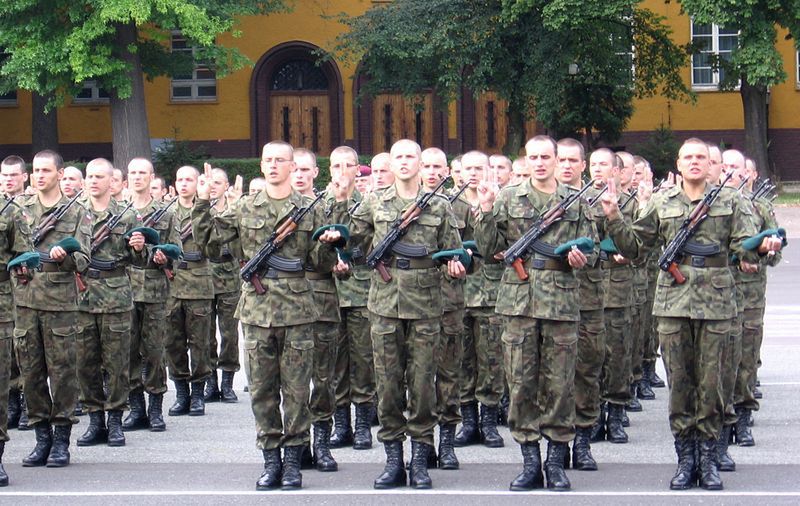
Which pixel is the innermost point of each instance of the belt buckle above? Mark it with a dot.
(403, 263)
(183, 265)
(93, 273)
(698, 261)
(537, 263)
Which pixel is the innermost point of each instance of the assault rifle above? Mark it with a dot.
(679, 245)
(49, 222)
(156, 215)
(378, 255)
(457, 194)
(763, 188)
(9, 201)
(518, 252)
(632, 196)
(266, 256)
(592, 201)
(105, 231)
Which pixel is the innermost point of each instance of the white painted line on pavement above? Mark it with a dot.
(400, 491)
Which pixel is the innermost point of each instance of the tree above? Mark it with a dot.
(53, 46)
(522, 50)
(755, 64)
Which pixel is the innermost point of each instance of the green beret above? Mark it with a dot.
(29, 259)
(608, 245)
(755, 241)
(150, 235)
(342, 229)
(473, 247)
(170, 250)
(69, 244)
(584, 244)
(444, 256)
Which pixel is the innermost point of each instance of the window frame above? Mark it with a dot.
(194, 84)
(715, 51)
(95, 91)
(10, 102)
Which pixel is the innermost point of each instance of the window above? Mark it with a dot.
(91, 94)
(201, 83)
(8, 99)
(298, 75)
(716, 43)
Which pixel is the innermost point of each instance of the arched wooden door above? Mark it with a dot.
(489, 115)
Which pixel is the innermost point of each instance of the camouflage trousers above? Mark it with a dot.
(448, 369)
(222, 309)
(104, 344)
(752, 333)
(405, 352)
(354, 380)
(692, 351)
(280, 361)
(589, 367)
(729, 366)
(637, 341)
(6, 335)
(189, 326)
(46, 344)
(650, 325)
(540, 358)
(14, 378)
(323, 398)
(482, 364)
(616, 387)
(148, 370)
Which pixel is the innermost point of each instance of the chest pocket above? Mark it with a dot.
(520, 218)
(66, 226)
(252, 233)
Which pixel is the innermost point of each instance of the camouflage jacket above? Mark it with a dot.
(752, 287)
(453, 288)
(150, 284)
(113, 294)
(196, 282)
(225, 269)
(546, 294)
(480, 288)
(56, 291)
(352, 290)
(244, 228)
(708, 293)
(411, 293)
(591, 278)
(14, 239)
(618, 279)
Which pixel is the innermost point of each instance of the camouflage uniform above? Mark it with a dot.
(650, 341)
(227, 284)
(105, 310)
(638, 320)
(278, 325)
(47, 314)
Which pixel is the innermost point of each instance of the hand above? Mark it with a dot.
(670, 181)
(620, 259)
(30, 190)
(576, 258)
(58, 254)
(234, 193)
(21, 271)
(487, 193)
(645, 192)
(171, 193)
(160, 258)
(204, 182)
(609, 201)
(341, 268)
(770, 244)
(456, 269)
(330, 236)
(136, 241)
(748, 267)
(338, 187)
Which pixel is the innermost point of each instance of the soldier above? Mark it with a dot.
(364, 179)
(189, 307)
(354, 380)
(278, 323)
(406, 311)
(521, 171)
(694, 316)
(71, 182)
(382, 177)
(591, 329)
(225, 271)
(455, 172)
(118, 185)
(542, 313)
(105, 309)
(47, 312)
(158, 189)
(150, 287)
(502, 169)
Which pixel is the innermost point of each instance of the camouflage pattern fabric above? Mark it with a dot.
(482, 364)
(6, 335)
(448, 372)
(104, 344)
(354, 376)
(326, 332)
(189, 324)
(589, 366)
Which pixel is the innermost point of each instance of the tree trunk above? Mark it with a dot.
(131, 134)
(44, 125)
(515, 131)
(754, 102)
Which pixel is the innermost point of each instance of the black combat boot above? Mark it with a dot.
(373, 418)
(686, 474)
(44, 441)
(59, 452)
(14, 409)
(598, 432)
(614, 430)
(115, 435)
(342, 430)
(23, 414)
(502, 415)
(744, 437)
(652, 377)
(419, 477)
(96, 433)
(211, 392)
(491, 438)
(643, 390)
(468, 434)
(323, 460)
(291, 478)
(154, 413)
(271, 477)
(447, 453)
(137, 418)
(726, 463)
(633, 405)
(181, 405)
(582, 459)
(709, 467)
(362, 437)
(394, 473)
(3, 474)
(306, 457)
(531, 476)
(554, 467)
(197, 407)
(227, 394)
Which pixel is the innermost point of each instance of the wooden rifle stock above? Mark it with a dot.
(676, 273)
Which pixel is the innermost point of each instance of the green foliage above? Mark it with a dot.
(175, 153)
(661, 150)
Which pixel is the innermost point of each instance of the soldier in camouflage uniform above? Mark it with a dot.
(591, 329)
(278, 324)
(47, 312)
(540, 333)
(406, 312)
(225, 272)
(150, 287)
(694, 317)
(189, 307)
(105, 309)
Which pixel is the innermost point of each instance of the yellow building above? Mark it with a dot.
(285, 95)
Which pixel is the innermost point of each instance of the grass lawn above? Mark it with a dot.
(788, 199)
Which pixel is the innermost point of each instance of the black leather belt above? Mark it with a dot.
(192, 256)
(103, 274)
(221, 260)
(610, 264)
(698, 261)
(548, 264)
(49, 267)
(183, 264)
(405, 264)
(318, 276)
(276, 274)
(4, 274)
